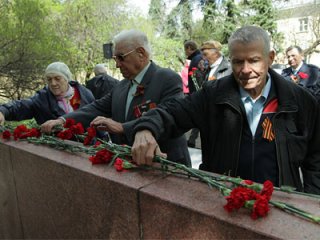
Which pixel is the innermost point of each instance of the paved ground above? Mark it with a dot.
(195, 155)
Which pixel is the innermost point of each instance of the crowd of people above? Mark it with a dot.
(253, 122)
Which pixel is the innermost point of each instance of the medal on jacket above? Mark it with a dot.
(143, 107)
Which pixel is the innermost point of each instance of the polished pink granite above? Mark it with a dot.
(47, 193)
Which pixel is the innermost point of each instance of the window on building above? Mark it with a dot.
(303, 24)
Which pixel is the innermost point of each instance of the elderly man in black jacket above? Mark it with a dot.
(102, 83)
(253, 124)
(145, 85)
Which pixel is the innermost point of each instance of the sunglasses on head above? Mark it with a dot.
(121, 57)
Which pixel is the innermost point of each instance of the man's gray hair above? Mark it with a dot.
(249, 34)
(100, 69)
(133, 39)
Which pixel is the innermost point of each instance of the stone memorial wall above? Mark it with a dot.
(46, 193)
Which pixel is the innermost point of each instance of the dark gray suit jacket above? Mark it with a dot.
(312, 72)
(160, 84)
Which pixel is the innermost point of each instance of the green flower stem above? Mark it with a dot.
(294, 210)
(194, 173)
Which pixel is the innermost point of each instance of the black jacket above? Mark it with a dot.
(42, 106)
(195, 59)
(216, 111)
(101, 85)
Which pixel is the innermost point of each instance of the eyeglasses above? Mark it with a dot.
(121, 57)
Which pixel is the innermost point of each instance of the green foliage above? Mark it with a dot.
(29, 123)
(25, 36)
(167, 52)
(157, 14)
(34, 33)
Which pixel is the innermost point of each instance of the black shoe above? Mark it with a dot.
(191, 144)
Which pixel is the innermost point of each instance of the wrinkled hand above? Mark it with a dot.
(48, 125)
(145, 148)
(107, 124)
(2, 119)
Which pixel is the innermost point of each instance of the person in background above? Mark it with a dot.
(60, 96)
(194, 55)
(219, 66)
(145, 85)
(304, 74)
(199, 75)
(102, 83)
(253, 123)
(184, 76)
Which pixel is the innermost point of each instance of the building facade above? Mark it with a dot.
(299, 22)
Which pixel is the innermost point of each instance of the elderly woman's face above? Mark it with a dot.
(57, 84)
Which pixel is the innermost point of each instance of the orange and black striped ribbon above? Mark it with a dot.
(268, 132)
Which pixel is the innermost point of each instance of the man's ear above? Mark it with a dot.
(141, 51)
(272, 55)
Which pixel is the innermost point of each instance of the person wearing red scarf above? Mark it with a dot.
(61, 95)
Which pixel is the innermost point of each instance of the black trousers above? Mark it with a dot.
(193, 135)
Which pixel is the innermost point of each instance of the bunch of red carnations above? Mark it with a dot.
(242, 196)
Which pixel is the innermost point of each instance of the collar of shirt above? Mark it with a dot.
(217, 62)
(296, 70)
(214, 66)
(134, 83)
(255, 107)
(139, 77)
(265, 91)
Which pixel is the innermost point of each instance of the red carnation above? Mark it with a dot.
(22, 128)
(69, 122)
(18, 131)
(139, 90)
(260, 207)
(238, 197)
(97, 144)
(6, 134)
(102, 156)
(91, 132)
(77, 129)
(247, 182)
(33, 132)
(190, 73)
(66, 134)
(303, 75)
(194, 69)
(87, 141)
(118, 164)
(267, 189)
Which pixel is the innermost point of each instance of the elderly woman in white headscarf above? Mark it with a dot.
(61, 95)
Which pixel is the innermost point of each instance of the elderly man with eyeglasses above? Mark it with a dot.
(145, 85)
(219, 66)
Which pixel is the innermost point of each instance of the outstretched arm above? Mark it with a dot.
(145, 147)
